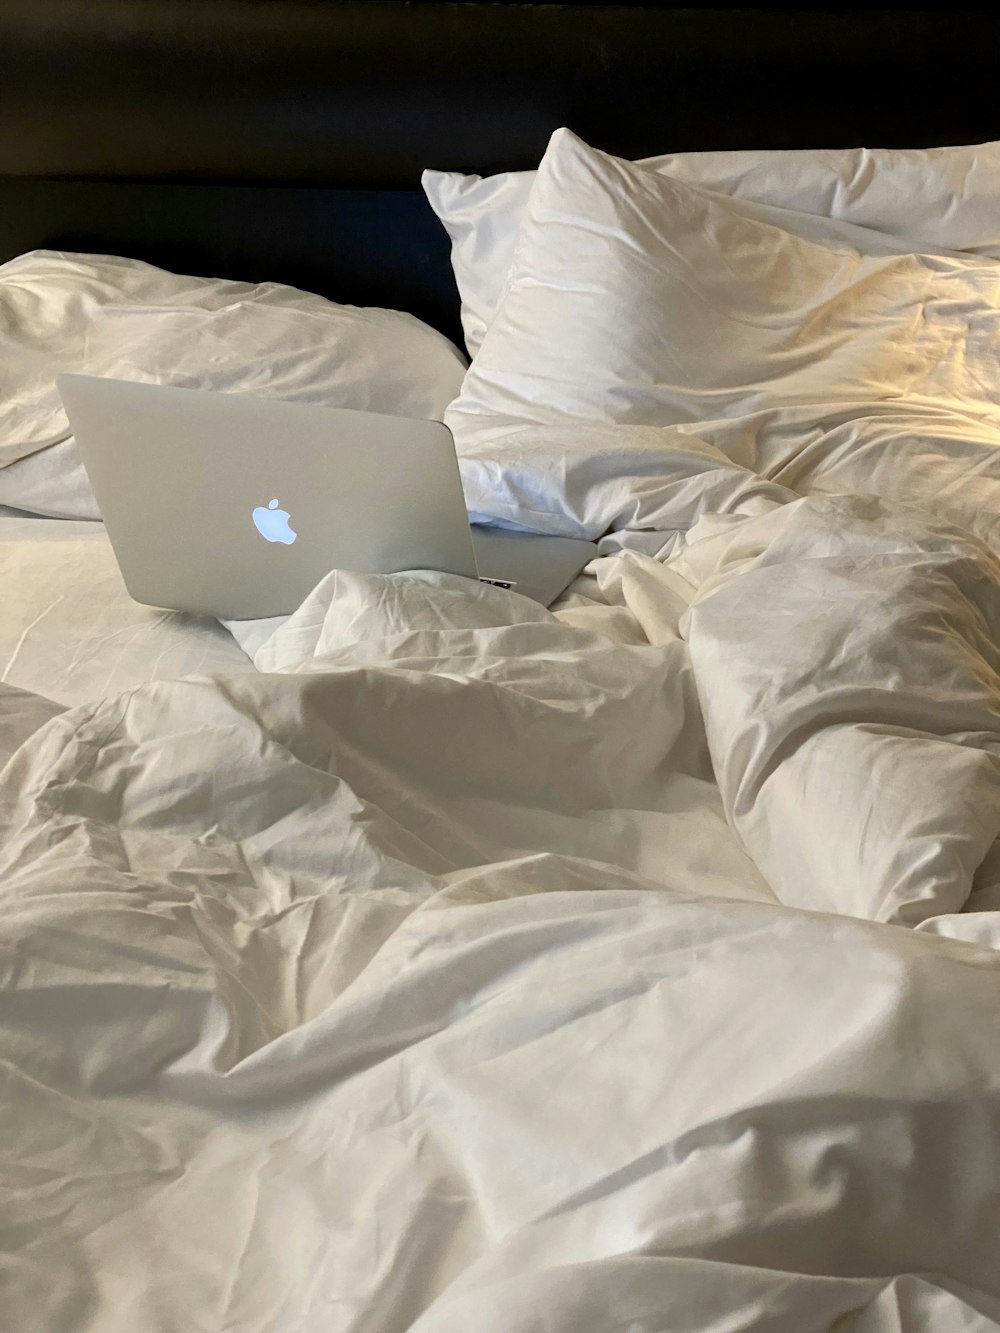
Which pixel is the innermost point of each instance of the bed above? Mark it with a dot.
(428, 959)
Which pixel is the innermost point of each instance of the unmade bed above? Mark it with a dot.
(428, 959)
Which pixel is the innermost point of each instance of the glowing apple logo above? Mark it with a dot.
(272, 523)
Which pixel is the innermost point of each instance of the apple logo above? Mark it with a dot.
(272, 523)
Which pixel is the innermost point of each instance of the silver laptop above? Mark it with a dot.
(237, 506)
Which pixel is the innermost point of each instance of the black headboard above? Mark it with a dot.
(284, 139)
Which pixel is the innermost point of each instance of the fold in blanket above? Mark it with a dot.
(420, 982)
(21, 715)
(847, 657)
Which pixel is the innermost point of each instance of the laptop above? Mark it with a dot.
(236, 506)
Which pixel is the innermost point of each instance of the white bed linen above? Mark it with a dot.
(881, 201)
(69, 630)
(638, 300)
(417, 983)
(51, 483)
(21, 715)
(422, 980)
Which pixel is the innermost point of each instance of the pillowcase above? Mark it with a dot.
(879, 201)
(122, 318)
(636, 299)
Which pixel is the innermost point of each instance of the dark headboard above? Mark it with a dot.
(284, 139)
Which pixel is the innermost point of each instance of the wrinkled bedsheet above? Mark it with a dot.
(69, 630)
(469, 966)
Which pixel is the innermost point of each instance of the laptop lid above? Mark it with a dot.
(237, 506)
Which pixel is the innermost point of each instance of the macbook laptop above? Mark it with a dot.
(237, 506)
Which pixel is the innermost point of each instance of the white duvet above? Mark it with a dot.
(419, 982)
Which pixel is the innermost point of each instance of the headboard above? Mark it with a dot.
(284, 139)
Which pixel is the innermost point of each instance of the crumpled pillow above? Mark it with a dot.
(105, 315)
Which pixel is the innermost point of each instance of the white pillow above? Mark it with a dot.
(126, 319)
(910, 199)
(636, 299)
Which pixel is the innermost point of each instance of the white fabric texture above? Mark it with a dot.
(418, 982)
(51, 483)
(69, 630)
(878, 200)
(117, 317)
(627, 967)
(21, 715)
(848, 663)
(637, 300)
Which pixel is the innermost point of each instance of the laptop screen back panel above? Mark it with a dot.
(237, 506)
